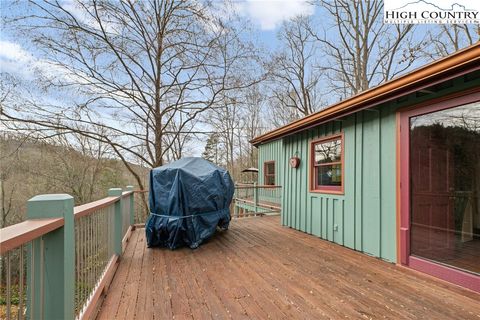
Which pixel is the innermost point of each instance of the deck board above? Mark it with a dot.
(259, 269)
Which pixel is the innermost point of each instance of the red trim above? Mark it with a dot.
(464, 279)
(265, 174)
(88, 208)
(398, 193)
(127, 236)
(313, 186)
(403, 205)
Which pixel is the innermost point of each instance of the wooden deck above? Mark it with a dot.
(260, 270)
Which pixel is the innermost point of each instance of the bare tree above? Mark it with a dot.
(133, 68)
(179, 143)
(81, 166)
(6, 199)
(253, 123)
(226, 123)
(292, 71)
(361, 51)
(445, 39)
(234, 125)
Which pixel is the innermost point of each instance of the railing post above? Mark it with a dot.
(235, 210)
(255, 195)
(117, 192)
(51, 260)
(132, 206)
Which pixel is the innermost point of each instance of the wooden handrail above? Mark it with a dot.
(127, 193)
(88, 208)
(14, 236)
(260, 204)
(251, 186)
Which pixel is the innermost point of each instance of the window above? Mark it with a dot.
(269, 173)
(327, 165)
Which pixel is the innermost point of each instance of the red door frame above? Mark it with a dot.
(458, 277)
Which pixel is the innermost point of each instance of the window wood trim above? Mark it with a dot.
(340, 190)
(265, 174)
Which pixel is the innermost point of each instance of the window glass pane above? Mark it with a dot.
(270, 168)
(329, 175)
(330, 151)
(270, 180)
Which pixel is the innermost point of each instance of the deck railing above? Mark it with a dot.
(57, 263)
(253, 199)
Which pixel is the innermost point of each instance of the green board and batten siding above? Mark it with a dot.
(364, 217)
(356, 218)
(272, 151)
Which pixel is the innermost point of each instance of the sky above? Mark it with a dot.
(22, 61)
(266, 17)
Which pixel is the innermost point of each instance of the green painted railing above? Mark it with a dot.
(253, 200)
(56, 264)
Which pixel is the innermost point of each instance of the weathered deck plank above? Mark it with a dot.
(259, 270)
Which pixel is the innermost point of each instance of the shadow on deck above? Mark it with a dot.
(260, 270)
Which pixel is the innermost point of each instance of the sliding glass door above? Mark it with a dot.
(444, 163)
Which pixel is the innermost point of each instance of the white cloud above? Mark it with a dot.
(269, 14)
(16, 60)
(78, 10)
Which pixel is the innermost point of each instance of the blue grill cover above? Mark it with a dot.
(188, 199)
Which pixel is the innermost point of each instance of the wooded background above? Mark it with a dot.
(120, 87)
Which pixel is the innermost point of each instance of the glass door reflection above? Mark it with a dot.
(445, 187)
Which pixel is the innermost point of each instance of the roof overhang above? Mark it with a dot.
(459, 63)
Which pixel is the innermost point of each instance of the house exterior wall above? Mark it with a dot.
(364, 217)
(271, 151)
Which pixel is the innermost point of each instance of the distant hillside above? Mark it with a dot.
(29, 167)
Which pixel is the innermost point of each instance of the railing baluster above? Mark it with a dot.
(252, 200)
(107, 234)
(31, 281)
(82, 247)
(84, 238)
(76, 267)
(42, 278)
(82, 261)
(95, 245)
(20, 288)
(90, 256)
(87, 255)
(88, 242)
(90, 267)
(9, 284)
